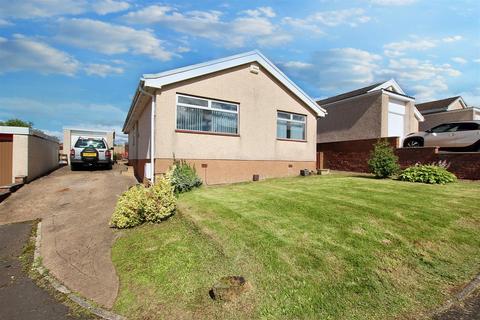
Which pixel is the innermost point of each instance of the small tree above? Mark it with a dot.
(16, 123)
(383, 163)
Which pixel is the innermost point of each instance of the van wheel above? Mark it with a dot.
(413, 143)
(109, 166)
(73, 167)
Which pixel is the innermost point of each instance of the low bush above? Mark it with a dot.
(129, 209)
(140, 204)
(160, 201)
(427, 174)
(183, 177)
(383, 163)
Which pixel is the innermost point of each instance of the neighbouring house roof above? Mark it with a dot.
(349, 94)
(390, 87)
(176, 75)
(439, 105)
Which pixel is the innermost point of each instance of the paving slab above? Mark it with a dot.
(76, 241)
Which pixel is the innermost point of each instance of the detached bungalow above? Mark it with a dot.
(376, 111)
(231, 118)
(446, 110)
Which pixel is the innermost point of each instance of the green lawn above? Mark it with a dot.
(325, 247)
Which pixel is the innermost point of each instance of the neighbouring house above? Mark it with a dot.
(70, 135)
(25, 154)
(232, 118)
(376, 111)
(446, 110)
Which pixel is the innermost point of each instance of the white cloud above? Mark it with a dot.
(22, 53)
(459, 60)
(26, 9)
(396, 49)
(476, 60)
(253, 25)
(102, 70)
(452, 38)
(336, 70)
(318, 20)
(435, 89)
(266, 11)
(5, 23)
(109, 6)
(297, 65)
(110, 38)
(393, 2)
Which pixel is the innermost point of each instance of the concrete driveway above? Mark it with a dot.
(75, 208)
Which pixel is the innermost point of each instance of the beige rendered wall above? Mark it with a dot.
(255, 150)
(457, 105)
(20, 156)
(42, 156)
(139, 135)
(434, 119)
(353, 119)
(260, 96)
(66, 142)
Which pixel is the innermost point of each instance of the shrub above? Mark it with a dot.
(383, 163)
(140, 204)
(160, 201)
(183, 177)
(129, 209)
(427, 174)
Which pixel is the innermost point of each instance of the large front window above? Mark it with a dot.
(206, 115)
(290, 126)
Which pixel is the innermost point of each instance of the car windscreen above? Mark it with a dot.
(87, 142)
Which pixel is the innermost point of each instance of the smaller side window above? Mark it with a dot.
(446, 127)
(468, 126)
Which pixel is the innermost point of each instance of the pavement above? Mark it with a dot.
(76, 241)
(468, 309)
(20, 297)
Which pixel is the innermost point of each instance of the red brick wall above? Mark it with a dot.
(349, 155)
(353, 156)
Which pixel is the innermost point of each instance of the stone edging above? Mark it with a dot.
(82, 302)
(460, 296)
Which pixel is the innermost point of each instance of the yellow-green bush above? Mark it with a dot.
(160, 201)
(140, 204)
(129, 209)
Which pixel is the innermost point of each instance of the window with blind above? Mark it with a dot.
(291, 126)
(206, 115)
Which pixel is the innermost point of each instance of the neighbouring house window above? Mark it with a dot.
(206, 115)
(291, 126)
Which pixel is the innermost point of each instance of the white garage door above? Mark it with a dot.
(396, 119)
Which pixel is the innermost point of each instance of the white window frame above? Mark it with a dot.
(291, 114)
(209, 107)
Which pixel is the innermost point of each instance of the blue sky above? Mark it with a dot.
(77, 62)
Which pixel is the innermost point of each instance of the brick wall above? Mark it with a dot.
(353, 156)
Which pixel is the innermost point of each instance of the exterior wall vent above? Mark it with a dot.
(254, 69)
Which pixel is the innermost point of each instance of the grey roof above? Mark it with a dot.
(349, 94)
(440, 105)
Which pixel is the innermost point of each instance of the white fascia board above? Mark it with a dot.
(176, 75)
(418, 115)
(399, 96)
(87, 129)
(389, 83)
(14, 130)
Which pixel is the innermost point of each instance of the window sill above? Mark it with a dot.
(209, 133)
(293, 140)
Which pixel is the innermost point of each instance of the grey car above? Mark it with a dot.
(90, 152)
(452, 136)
